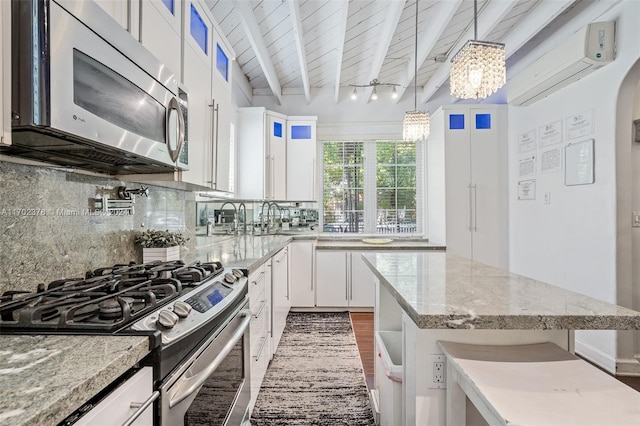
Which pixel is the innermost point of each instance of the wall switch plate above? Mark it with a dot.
(547, 198)
(635, 221)
(436, 368)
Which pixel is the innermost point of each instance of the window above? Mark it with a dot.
(222, 63)
(372, 186)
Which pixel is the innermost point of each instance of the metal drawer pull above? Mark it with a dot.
(262, 274)
(264, 342)
(193, 383)
(141, 406)
(264, 303)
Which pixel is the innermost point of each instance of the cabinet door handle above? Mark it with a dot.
(264, 303)
(475, 208)
(140, 407)
(470, 212)
(346, 275)
(264, 342)
(210, 170)
(350, 276)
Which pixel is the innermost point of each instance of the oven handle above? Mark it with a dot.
(141, 408)
(204, 375)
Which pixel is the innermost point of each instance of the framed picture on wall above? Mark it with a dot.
(579, 163)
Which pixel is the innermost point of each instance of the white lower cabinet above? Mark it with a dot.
(117, 407)
(280, 296)
(260, 303)
(343, 280)
(301, 280)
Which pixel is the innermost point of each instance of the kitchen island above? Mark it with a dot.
(45, 378)
(431, 296)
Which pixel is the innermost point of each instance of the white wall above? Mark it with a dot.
(571, 242)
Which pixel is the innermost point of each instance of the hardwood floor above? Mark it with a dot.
(362, 323)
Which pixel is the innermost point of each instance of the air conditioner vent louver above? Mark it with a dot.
(587, 50)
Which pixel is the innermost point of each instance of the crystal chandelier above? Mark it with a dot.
(415, 125)
(478, 69)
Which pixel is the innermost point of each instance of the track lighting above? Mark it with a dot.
(374, 83)
(354, 94)
(374, 95)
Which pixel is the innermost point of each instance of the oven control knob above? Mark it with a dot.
(167, 319)
(230, 278)
(181, 309)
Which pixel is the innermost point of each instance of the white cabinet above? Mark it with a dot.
(118, 406)
(471, 143)
(260, 336)
(301, 282)
(343, 280)
(161, 29)
(224, 129)
(5, 73)
(280, 296)
(301, 158)
(262, 154)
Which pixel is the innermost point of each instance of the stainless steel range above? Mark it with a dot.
(196, 316)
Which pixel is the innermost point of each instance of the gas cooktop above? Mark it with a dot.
(106, 299)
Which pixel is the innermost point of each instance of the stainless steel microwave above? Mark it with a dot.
(86, 94)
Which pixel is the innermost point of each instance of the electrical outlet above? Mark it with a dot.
(547, 198)
(436, 371)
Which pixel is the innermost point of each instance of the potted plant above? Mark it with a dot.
(160, 245)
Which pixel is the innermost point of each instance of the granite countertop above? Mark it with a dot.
(443, 291)
(250, 251)
(243, 251)
(337, 243)
(45, 378)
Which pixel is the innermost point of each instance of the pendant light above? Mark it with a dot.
(478, 69)
(415, 125)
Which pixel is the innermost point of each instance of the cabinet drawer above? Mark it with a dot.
(257, 283)
(117, 406)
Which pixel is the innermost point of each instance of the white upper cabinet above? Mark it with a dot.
(301, 159)
(224, 128)
(196, 77)
(160, 30)
(262, 150)
(5, 73)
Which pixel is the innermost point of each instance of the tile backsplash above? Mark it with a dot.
(50, 228)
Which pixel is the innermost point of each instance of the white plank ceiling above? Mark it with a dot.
(293, 46)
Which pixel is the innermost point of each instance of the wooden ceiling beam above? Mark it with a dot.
(438, 22)
(298, 34)
(252, 30)
(392, 17)
(342, 31)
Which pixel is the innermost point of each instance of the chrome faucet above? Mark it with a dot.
(234, 226)
(244, 216)
(270, 219)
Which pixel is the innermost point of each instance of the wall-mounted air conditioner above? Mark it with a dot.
(585, 51)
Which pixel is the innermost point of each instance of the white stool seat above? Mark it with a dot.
(539, 384)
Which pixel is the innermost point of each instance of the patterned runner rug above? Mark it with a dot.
(315, 377)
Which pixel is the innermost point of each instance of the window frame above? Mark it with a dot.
(370, 191)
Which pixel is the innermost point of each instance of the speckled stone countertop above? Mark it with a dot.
(45, 378)
(357, 244)
(244, 251)
(250, 251)
(439, 290)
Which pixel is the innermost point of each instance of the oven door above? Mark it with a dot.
(212, 386)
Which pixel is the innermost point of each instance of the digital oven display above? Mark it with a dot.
(209, 298)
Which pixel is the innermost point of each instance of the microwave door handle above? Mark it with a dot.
(175, 106)
(202, 376)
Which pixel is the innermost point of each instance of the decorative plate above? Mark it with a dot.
(376, 240)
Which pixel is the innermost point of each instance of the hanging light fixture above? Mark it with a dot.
(415, 125)
(374, 94)
(478, 69)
